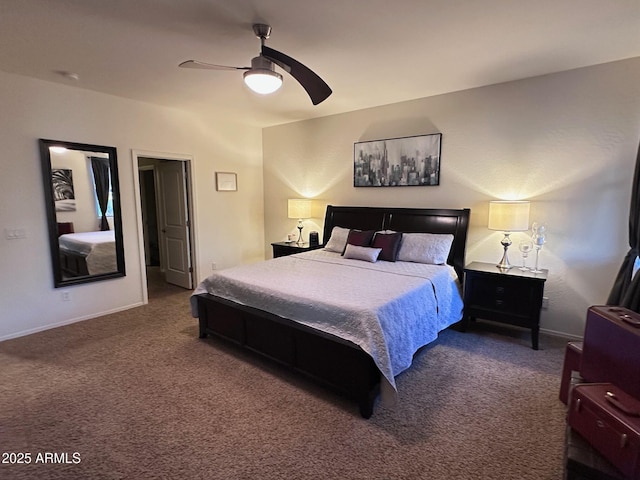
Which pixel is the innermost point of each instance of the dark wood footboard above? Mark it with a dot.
(73, 264)
(329, 360)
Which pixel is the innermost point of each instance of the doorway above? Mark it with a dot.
(165, 223)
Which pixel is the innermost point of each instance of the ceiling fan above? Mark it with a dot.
(262, 77)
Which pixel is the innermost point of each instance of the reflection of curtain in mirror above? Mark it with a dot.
(100, 167)
(626, 288)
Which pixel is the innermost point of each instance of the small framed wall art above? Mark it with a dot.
(226, 182)
(398, 162)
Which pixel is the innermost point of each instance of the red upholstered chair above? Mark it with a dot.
(572, 357)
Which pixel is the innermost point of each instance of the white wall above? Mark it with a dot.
(566, 141)
(229, 225)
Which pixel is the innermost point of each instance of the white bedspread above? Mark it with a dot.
(389, 309)
(98, 248)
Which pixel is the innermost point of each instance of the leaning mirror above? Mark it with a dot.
(82, 199)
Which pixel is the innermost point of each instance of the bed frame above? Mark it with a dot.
(73, 264)
(332, 361)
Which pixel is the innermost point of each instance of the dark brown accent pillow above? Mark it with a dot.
(360, 238)
(389, 243)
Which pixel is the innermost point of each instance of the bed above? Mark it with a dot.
(87, 253)
(323, 316)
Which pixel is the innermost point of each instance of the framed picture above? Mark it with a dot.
(63, 195)
(398, 162)
(226, 182)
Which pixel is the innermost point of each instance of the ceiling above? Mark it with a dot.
(371, 52)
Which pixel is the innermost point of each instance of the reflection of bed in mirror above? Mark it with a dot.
(88, 253)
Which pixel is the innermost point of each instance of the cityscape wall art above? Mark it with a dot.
(398, 162)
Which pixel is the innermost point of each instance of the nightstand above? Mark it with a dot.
(507, 296)
(282, 249)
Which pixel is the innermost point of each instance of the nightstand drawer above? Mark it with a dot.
(513, 297)
(282, 249)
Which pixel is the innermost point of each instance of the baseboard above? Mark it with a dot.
(568, 336)
(24, 333)
(546, 331)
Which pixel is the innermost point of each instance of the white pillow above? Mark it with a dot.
(368, 254)
(338, 239)
(425, 248)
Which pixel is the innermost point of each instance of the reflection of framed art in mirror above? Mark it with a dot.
(62, 179)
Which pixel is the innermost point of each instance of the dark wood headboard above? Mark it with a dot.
(408, 220)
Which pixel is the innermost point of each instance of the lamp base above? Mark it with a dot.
(299, 241)
(504, 261)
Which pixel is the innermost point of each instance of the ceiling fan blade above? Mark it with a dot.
(209, 66)
(317, 89)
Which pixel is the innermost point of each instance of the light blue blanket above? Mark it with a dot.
(389, 309)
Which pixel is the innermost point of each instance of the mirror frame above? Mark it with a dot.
(45, 157)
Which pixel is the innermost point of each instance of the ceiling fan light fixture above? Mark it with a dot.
(263, 81)
(262, 77)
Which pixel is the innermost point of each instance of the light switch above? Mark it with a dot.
(14, 233)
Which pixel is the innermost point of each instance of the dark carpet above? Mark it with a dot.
(136, 395)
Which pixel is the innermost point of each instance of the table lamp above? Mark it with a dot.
(508, 216)
(299, 208)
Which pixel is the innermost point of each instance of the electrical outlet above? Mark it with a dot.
(214, 266)
(66, 296)
(545, 303)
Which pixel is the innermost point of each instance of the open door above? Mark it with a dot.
(174, 223)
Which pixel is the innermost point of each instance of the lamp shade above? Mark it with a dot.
(509, 216)
(299, 208)
(263, 81)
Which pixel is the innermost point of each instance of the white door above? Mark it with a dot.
(174, 223)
